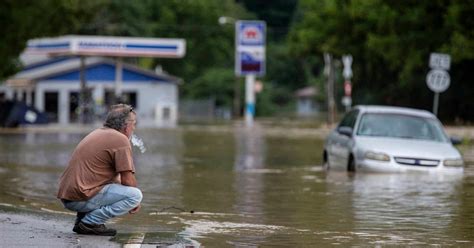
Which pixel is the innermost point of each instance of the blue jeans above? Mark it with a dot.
(113, 200)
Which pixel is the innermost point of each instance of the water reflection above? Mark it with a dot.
(39, 149)
(393, 209)
(159, 170)
(249, 158)
(250, 153)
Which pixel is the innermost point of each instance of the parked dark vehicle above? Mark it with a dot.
(15, 113)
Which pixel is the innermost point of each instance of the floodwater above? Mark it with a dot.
(234, 187)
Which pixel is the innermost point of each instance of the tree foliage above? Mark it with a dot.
(391, 42)
(26, 19)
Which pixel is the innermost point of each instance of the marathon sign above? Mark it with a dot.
(108, 46)
(250, 48)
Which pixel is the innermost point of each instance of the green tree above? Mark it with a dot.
(216, 83)
(208, 44)
(26, 19)
(390, 42)
(277, 14)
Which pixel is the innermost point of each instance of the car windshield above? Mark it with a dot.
(400, 126)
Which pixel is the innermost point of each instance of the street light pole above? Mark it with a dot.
(329, 71)
(223, 20)
(236, 102)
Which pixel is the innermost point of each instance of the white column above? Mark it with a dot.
(249, 99)
(63, 108)
(39, 99)
(118, 78)
(175, 104)
(158, 118)
(9, 93)
(28, 97)
(98, 94)
(19, 95)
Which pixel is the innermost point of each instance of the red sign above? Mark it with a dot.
(347, 88)
(250, 33)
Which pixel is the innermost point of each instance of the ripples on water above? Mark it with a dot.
(248, 189)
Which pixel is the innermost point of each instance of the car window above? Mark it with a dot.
(400, 126)
(349, 119)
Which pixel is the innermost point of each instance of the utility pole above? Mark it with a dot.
(236, 102)
(347, 73)
(118, 80)
(329, 72)
(82, 91)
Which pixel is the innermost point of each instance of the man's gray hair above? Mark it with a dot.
(117, 116)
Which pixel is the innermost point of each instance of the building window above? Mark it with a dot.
(73, 106)
(166, 113)
(51, 105)
(128, 97)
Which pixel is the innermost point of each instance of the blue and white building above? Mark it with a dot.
(52, 85)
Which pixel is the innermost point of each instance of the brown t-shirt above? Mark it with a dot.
(97, 160)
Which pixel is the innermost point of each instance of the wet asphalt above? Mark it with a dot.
(32, 230)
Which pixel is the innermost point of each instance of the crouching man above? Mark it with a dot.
(99, 181)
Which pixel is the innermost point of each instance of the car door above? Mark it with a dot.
(342, 140)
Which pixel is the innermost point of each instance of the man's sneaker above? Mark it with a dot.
(79, 217)
(91, 229)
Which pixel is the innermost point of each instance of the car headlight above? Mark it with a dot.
(379, 156)
(456, 162)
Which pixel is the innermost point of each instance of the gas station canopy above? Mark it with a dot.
(108, 46)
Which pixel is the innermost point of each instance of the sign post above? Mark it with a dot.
(250, 60)
(347, 73)
(438, 79)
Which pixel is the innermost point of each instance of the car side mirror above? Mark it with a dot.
(455, 140)
(347, 131)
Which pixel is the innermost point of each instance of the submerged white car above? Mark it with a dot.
(390, 139)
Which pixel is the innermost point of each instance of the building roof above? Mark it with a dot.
(96, 68)
(309, 91)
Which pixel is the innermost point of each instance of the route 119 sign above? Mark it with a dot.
(438, 80)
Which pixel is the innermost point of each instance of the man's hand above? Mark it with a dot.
(128, 179)
(135, 210)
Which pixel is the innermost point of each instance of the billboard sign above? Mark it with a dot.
(108, 46)
(250, 48)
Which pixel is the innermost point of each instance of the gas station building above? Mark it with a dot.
(51, 78)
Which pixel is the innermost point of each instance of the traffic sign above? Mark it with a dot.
(347, 88)
(346, 101)
(438, 80)
(440, 61)
(347, 61)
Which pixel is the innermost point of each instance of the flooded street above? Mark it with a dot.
(232, 187)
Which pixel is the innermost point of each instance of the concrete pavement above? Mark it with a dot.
(32, 230)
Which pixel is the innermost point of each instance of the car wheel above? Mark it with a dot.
(351, 166)
(325, 161)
